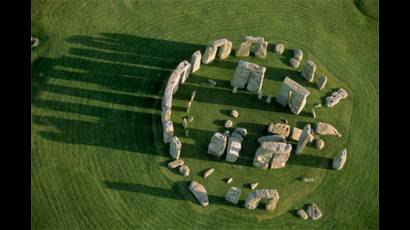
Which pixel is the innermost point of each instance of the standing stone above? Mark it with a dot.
(199, 192)
(292, 94)
(298, 54)
(234, 90)
(233, 194)
(309, 71)
(196, 61)
(212, 82)
(323, 128)
(322, 82)
(228, 124)
(285, 121)
(281, 155)
(261, 50)
(237, 136)
(302, 214)
(168, 131)
(184, 170)
(190, 119)
(208, 172)
(340, 159)
(217, 144)
(248, 75)
(175, 147)
(225, 50)
(184, 123)
(193, 94)
(313, 114)
(314, 212)
(254, 185)
(234, 113)
(188, 106)
(233, 149)
(273, 202)
(279, 129)
(268, 99)
(230, 179)
(320, 144)
(296, 132)
(303, 139)
(242, 131)
(260, 95)
(255, 197)
(175, 163)
(279, 48)
(277, 151)
(294, 62)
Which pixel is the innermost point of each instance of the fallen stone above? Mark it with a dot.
(212, 82)
(272, 138)
(255, 197)
(321, 83)
(279, 129)
(230, 179)
(268, 99)
(309, 71)
(168, 131)
(303, 139)
(186, 133)
(175, 163)
(281, 155)
(308, 179)
(232, 195)
(237, 136)
(190, 119)
(294, 62)
(248, 75)
(228, 124)
(292, 94)
(217, 144)
(175, 147)
(320, 144)
(340, 160)
(298, 54)
(233, 149)
(234, 113)
(323, 128)
(313, 114)
(317, 105)
(279, 48)
(296, 132)
(199, 192)
(208, 172)
(234, 90)
(302, 214)
(185, 123)
(336, 97)
(195, 61)
(313, 212)
(254, 185)
(242, 131)
(184, 170)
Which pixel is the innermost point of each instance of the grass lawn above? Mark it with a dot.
(98, 160)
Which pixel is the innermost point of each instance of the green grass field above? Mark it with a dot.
(98, 160)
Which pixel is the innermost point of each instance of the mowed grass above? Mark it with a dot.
(97, 83)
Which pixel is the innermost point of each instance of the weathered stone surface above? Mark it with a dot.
(254, 185)
(255, 197)
(244, 48)
(227, 133)
(168, 131)
(184, 170)
(196, 61)
(279, 48)
(336, 97)
(279, 129)
(249, 75)
(184, 123)
(225, 50)
(340, 159)
(293, 94)
(294, 62)
(234, 113)
(261, 50)
(309, 71)
(320, 144)
(233, 194)
(183, 70)
(272, 154)
(228, 124)
(281, 155)
(210, 52)
(188, 106)
(255, 81)
(234, 90)
(175, 163)
(217, 144)
(260, 95)
(230, 179)
(208, 172)
(237, 136)
(303, 139)
(199, 192)
(263, 155)
(175, 147)
(272, 138)
(242, 131)
(321, 83)
(170, 89)
(298, 54)
(313, 113)
(311, 137)
(190, 119)
(323, 128)
(268, 99)
(313, 212)
(212, 82)
(296, 132)
(302, 214)
(233, 149)
(193, 94)
(35, 42)
(308, 179)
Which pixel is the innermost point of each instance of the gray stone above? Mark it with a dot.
(263, 155)
(186, 133)
(320, 144)
(199, 192)
(272, 138)
(274, 153)
(237, 136)
(193, 94)
(296, 132)
(340, 159)
(233, 149)
(313, 212)
(208, 172)
(302, 214)
(175, 147)
(298, 54)
(165, 115)
(249, 75)
(336, 97)
(254, 185)
(309, 71)
(188, 106)
(279, 48)
(175, 163)
(234, 90)
(323, 128)
(184, 123)
(308, 179)
(242, 131)
(279, 129)
(292, 94)
(230, 179)
(321, 83)
(217, 144)
(211, 49)
(170, 89)
(196, 61)
(268, 99)
(232, 195)
(255, 197)
(190, 119)
(228, 124)
(303, 139)
(294, 62)
(184, 170)
(227, 133)
(234, 113)
(183, 70)
(168, 131)
(313, 114)
(261, 50)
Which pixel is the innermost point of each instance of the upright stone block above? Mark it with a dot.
(196, 61)
(309, 71)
